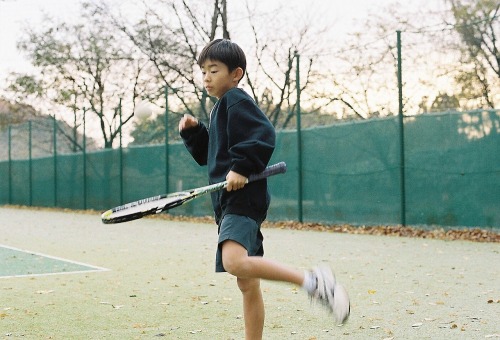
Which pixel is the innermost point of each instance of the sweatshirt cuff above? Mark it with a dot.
(241, 169)
(186, 133)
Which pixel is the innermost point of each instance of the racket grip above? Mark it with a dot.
(278, 168)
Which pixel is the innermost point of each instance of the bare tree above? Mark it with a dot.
(171, 43)
(171, 33)
(477, 25)
(83, 65)
(169, 37)
(220, 11)
(272, 76)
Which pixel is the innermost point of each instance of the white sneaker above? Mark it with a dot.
(331, 294)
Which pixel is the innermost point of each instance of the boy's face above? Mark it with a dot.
(217, 79)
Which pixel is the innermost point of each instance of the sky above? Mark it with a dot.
(16, 14)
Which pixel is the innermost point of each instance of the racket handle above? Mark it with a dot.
(278, 168)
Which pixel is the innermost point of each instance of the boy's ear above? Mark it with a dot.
(238, 74)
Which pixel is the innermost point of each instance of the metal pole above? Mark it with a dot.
(30, 164)
(167, 170)
(121, 151)
(401, 134)
(299, 141)
(84, 160)
(54, 138)
(10, 164)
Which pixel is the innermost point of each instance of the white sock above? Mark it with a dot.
(309, 283)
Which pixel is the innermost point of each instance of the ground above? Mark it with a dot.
(155, 278)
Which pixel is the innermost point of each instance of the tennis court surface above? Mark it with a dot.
(18, 263)
(64, 275)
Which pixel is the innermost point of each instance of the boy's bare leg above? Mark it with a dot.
(237, 262)
(249, 270)
(320, 283)
(253, 308)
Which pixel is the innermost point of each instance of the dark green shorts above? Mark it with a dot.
(241, 229)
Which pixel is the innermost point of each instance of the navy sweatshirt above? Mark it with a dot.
(239, 138)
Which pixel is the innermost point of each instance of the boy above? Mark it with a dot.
(239, 141)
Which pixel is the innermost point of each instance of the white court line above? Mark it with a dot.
(94, 268)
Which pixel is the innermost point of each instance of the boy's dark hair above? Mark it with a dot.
(226, 52)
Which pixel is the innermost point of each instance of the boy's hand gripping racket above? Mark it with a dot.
(157, 204)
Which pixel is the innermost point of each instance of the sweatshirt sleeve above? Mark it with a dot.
(251, 138)
(196, 141)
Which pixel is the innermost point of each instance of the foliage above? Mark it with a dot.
(445, 102)
(14, 114)
(149, 131)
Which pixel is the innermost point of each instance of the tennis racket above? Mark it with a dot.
(157, 204)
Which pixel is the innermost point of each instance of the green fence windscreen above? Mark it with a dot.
(351, 174)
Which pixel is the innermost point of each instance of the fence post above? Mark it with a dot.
(401, 134)
(10, 164)
(84, 148)
(167, 170)
(30, 163)
(299, 140)
(121, 150)
(54, 138)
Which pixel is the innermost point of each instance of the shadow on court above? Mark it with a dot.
(161, 282)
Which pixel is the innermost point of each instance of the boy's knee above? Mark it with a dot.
(232, 265)
(233, 258)
(248, 285)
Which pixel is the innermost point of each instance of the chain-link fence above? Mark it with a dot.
(424, 156)
(350, 173)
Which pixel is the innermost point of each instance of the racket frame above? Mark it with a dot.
(157, 204)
